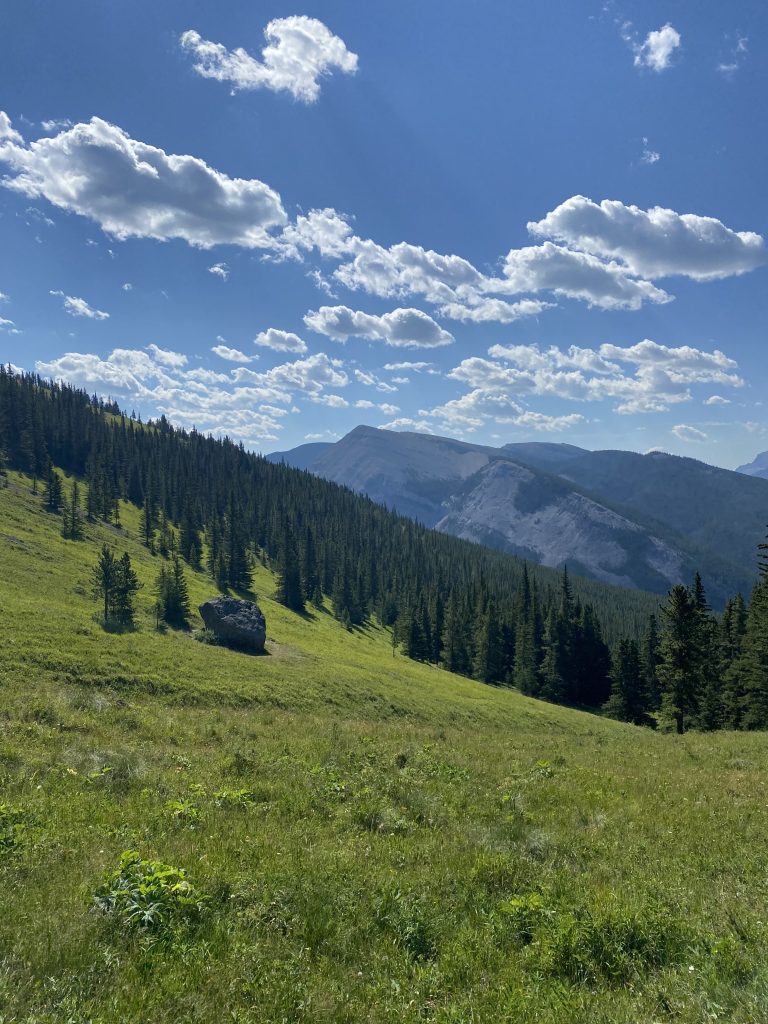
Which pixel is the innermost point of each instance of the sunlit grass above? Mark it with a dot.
(371, 839)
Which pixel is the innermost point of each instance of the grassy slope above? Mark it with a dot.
(414, 847)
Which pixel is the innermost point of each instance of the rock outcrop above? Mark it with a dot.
(236, 623)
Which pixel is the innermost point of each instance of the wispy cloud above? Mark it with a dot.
(76, 306)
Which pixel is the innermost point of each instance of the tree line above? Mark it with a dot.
(211, 505)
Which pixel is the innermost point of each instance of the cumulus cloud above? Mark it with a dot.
(127, 287)
(657, 49)
(653, 243)
(8, 133)
(578, 275)
(219, 270)
(55, 126)
(166, 357)
(299, 52)
(280, 341)
(132, 189)
(79, 307)
(401, 328)
(647, 377)
(242, 403)
(232, 355)
(407, 423)
(370, 380)
(717, 400)
(687, 433)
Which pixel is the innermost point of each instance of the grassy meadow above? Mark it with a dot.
(358, 838)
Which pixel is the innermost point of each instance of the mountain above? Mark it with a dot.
(758, 467)
(644, 521)
(302, 457)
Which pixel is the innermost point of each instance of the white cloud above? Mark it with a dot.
(333, 401)
(649, 156)
(687, 433)
(653, 243)
(232, 355)
(280, 341)
(79, 307)
(132, 189)
(242, 403)
(299, 52)
(220, 270)
(4, 297)
(127, 287)
(55, 126)
(166, 357)
(659, 377)
(577, 275)
(406, 423)
(407, 365)
(657, 49)
(5, 324)
(717, 400)
(370, 380)
(737, 57)
(401, 328)
(8, 132)
(487, 310)
(325, 230)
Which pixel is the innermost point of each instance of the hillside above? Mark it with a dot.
(645, 521)
(372, 839)
(758, 467)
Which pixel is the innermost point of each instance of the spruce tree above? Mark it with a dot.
(53, 490)
(628, 701)
(72, 519)
(105, 580)
(679, 666)
(289, 584)
(124, 592)
(173, 594)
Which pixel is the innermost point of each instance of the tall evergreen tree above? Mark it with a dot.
(679, 667)
(628, 701)
(289, 584)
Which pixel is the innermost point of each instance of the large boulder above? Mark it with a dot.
(236, 623)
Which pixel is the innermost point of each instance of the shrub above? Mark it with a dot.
(148, 895)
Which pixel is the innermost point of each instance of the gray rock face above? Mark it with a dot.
(237, 623)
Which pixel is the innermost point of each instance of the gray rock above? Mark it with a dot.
(236, 623)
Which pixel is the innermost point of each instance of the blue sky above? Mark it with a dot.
(494, 220)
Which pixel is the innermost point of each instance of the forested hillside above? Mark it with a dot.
(474, 611)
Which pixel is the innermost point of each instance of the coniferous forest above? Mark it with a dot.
(461, 606)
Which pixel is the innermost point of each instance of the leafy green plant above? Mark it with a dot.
(233, 797)
(13, 824)
(183, 811)
(148, 895)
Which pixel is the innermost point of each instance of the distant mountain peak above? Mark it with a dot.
(758, 466)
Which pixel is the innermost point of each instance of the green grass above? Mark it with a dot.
(367, 839)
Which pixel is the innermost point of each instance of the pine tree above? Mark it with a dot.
(289, 584)
(72, 519)
(147, 523)
(455, 656)
(488, 664)
(752, 665)
(649, 656)
(53, 490)
(628, 701)
(105, 580)
(679, 667)
(552, 683)
(173, 594)
(124, 591)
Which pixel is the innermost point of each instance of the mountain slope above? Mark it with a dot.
(375, 840)
(758, 467)
(643, 521)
